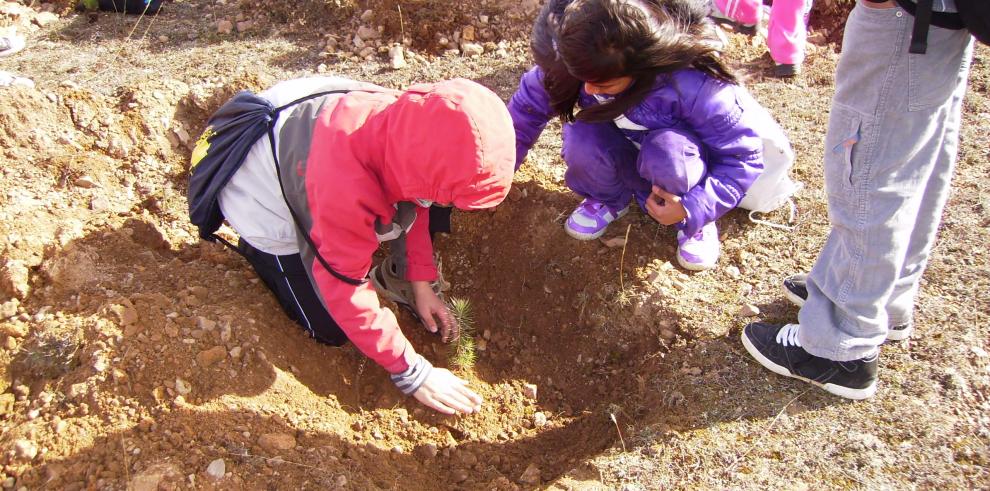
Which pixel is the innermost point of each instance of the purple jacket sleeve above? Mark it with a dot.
(733, 150)
(530, 111)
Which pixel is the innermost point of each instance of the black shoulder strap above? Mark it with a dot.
(922, 20)
(278, 171)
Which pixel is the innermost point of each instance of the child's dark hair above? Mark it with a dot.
(599, 40)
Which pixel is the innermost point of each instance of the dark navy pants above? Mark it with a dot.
(286, 277)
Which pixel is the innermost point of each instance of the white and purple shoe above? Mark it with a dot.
(699, 252)
(590, 219)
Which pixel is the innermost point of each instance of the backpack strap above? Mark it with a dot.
(922, 20)
(278, 172)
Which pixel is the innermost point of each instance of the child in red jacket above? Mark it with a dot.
(352, 166)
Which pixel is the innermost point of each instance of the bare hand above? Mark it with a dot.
(430, 307)
(664, 207)
(447, 393)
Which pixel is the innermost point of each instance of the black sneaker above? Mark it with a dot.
(796, 290)
(776, 348)
(786, 70)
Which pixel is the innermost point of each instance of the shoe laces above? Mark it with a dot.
(591, 207)
(788, 335)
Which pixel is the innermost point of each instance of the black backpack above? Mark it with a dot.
(230, 133)
(974, 15)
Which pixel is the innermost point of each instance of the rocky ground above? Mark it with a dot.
(134, 356)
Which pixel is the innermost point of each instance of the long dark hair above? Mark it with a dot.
(599, 40)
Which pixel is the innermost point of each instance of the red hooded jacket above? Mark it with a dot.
(451, 143)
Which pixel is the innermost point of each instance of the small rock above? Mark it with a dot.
(366, 33)
(396, 57)
(211, 356)
(377, 435)
(244, 26)
(613, 241)
(225, 26)
(978, 351)
(397, 450)
(667, 334)
(8, 309)
(472, 49)
(235, 352)
(25, 449)
(217, 469)
(99, 203)
(78, 391)
(468, 34)
(163, 39)
(458, 476)
(529, 391)
(732, 271)
(42, 19)
(428, 450)
(33, 414)
(539, 420)
(182, 387)
(749, 311)
(205, 324)
(14, 329)
(276, 442)
(126, 313)
(14, 279)
(85, 182)
(531, 475)
(367, 15)
(341, 481)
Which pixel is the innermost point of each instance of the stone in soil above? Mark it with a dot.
(749, 311)
(531, 475)
(217, 469)
(25, 449)
(276, 442)
(529, 391)
(211, 356)
(14, 279)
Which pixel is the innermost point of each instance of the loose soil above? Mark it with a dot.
(133, 355)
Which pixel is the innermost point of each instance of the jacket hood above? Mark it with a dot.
(450, 142)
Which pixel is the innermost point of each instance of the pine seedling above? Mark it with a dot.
(462, 353)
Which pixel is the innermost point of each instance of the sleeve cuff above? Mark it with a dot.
(410, 380)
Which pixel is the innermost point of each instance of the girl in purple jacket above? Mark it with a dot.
(649, 111)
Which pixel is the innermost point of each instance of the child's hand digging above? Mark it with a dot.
(664, 207)
(430, 307)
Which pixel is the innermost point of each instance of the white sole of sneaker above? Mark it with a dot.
(900, 334)
(846, 392)
(694, 266)
(592, 236)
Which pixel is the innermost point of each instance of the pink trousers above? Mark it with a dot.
(787, 30)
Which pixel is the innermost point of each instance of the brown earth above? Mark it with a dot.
(134, 355)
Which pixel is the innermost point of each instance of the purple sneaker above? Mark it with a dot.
(590, 219)
(701, 251)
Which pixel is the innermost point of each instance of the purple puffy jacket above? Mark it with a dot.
(724, 116)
